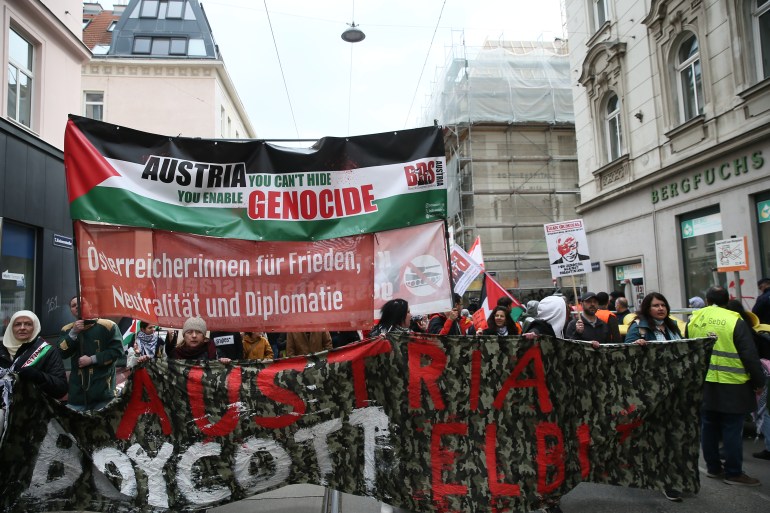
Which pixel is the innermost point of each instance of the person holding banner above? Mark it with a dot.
(194, 344)
(146, 347)
(552, 316)
(394, 317)
(500, 323)
(588, 326)
(652, 322)
(256, 346)
(419, 324)
(32, 358)
(446, 323)
(94, 347)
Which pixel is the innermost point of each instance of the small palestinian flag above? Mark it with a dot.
(130, 334)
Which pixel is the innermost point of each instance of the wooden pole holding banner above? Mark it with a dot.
(574, 292)
(737, 279)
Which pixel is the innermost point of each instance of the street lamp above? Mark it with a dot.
(353, 34)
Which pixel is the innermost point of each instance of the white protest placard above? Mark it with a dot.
(567, 248)
(732, 254)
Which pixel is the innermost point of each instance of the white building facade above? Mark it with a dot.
(672, 114)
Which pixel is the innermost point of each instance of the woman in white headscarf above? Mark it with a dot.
(32, 358)
(552, 315)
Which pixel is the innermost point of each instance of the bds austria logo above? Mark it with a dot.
(424, 173)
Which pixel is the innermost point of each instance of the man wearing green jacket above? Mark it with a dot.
(729, 393)
(93, 346)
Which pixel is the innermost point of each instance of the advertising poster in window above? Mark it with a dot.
(567, 248)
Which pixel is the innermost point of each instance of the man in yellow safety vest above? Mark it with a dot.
(729, 393)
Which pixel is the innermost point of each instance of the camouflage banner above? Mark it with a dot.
(431, 424)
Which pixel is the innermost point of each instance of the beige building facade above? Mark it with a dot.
(42, 55)
(672, 114)
(161, 72)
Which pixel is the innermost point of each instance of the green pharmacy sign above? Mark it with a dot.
(763, 211)
(701, 226)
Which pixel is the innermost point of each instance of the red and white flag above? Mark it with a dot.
(476, 254)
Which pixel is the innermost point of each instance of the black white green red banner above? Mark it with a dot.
(431, 424)
(251, 189)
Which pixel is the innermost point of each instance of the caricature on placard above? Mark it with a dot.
(567, 248)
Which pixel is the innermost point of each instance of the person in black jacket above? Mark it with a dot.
(32, 358)
(446, 323)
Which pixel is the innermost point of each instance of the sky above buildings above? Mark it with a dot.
(333, 88)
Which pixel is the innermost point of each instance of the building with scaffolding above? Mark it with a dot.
(510, 139)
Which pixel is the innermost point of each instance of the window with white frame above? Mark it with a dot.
(760, 17)
(601, 14)
(689, 81)
(94, 105)
(612, 124)
(21, 55)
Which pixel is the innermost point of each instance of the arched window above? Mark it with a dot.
(613, 132)
(760, 16)
(689, 83)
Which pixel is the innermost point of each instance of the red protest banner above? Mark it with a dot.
(238, 285)
(166, 277)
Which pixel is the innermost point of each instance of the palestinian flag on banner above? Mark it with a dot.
(491, 292)
(130, 334)
(251, 190)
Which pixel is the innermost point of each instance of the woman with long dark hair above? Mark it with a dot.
(394, 316)
(500, 323)
(652, 323)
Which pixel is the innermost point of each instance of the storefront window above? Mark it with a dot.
(17, 264)
(629, 279)
(699, 231)
(763, 230)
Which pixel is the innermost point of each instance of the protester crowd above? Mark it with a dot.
(735, 384)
